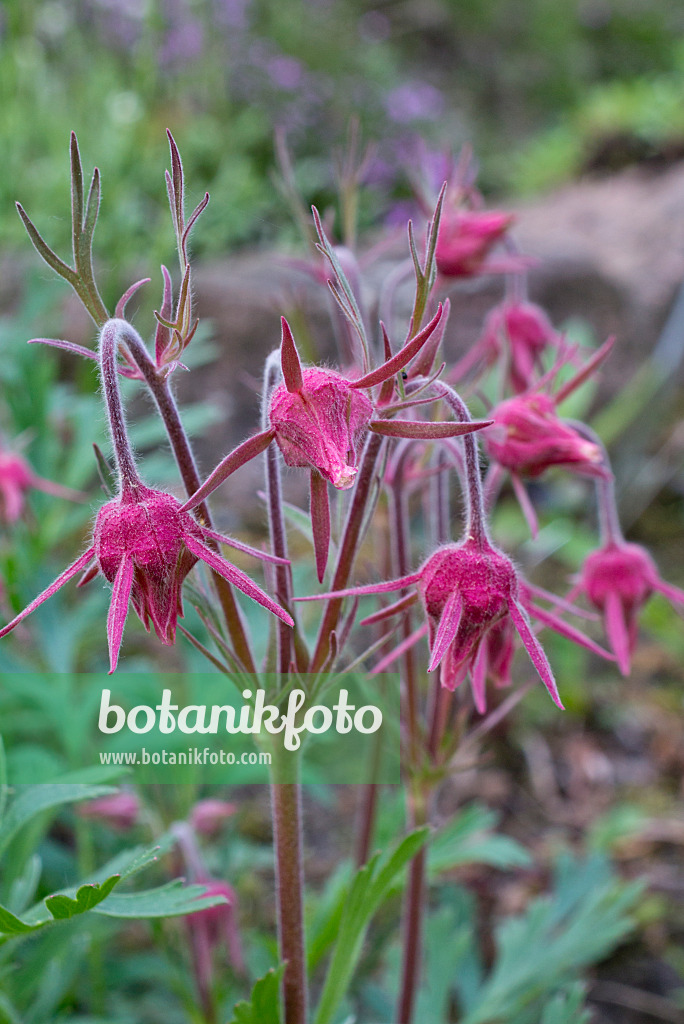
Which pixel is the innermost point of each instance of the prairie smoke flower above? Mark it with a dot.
(16, 478)
(466, 590)
(208, 815)
(321, 419)
(528, 437)
(517, 331)
(212, 926)
(466, 239)
(120, 811)
(144, 541)
(475, 605)
(618, 580)
(144, 544)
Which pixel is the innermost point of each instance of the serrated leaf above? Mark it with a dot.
(264, 1003)
(39, 798)
(10, 924)
(88, 896)
(171, 900)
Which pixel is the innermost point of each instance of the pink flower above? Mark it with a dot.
(323, 424)
(466, 238)
(120, 811)
(320, 419)
(214, 926)
(475, 605)
(618, 580)
(16, 478)
(145, 544)
(466, 590)
(528, 437)
(518, 332)
(207, 816)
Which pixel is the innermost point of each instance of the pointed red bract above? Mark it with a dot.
(289, 359)
(320, 522)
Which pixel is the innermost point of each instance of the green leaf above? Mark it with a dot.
(544, 949)
(264, 1004)
(567, 1007)
(171, 900)
(88, 896)
(3, 780)
(469, 839)
(10, 924)
(371, 884)
(36, 799)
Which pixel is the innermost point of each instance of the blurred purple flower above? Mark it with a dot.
(285, 71)
(414, 101)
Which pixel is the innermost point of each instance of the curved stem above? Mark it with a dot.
(476, 520)
(609, 520)
(130, 483)
(185, 460)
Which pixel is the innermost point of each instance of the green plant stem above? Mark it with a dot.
(180, 443)
(414, 910)
(287, 835)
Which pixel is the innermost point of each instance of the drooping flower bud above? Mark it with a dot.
(16, 479)
(120, 811)
(466, 239)
(527, 437)
(467, 589)
(618, 580)
(208, 815)
(323, 424)
(145, 544)
(522, 331)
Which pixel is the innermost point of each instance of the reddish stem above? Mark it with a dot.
(185, 460)
(351, 536)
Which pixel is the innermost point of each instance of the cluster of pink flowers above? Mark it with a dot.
(476, 605)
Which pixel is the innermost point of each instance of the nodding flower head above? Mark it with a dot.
(521, 331)
(121, 811)
(473, 600)
(618, 579)
(143, 540)
(320, 419)
(145, 544)
(323, 424)
(528, 437)
(466, 239)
